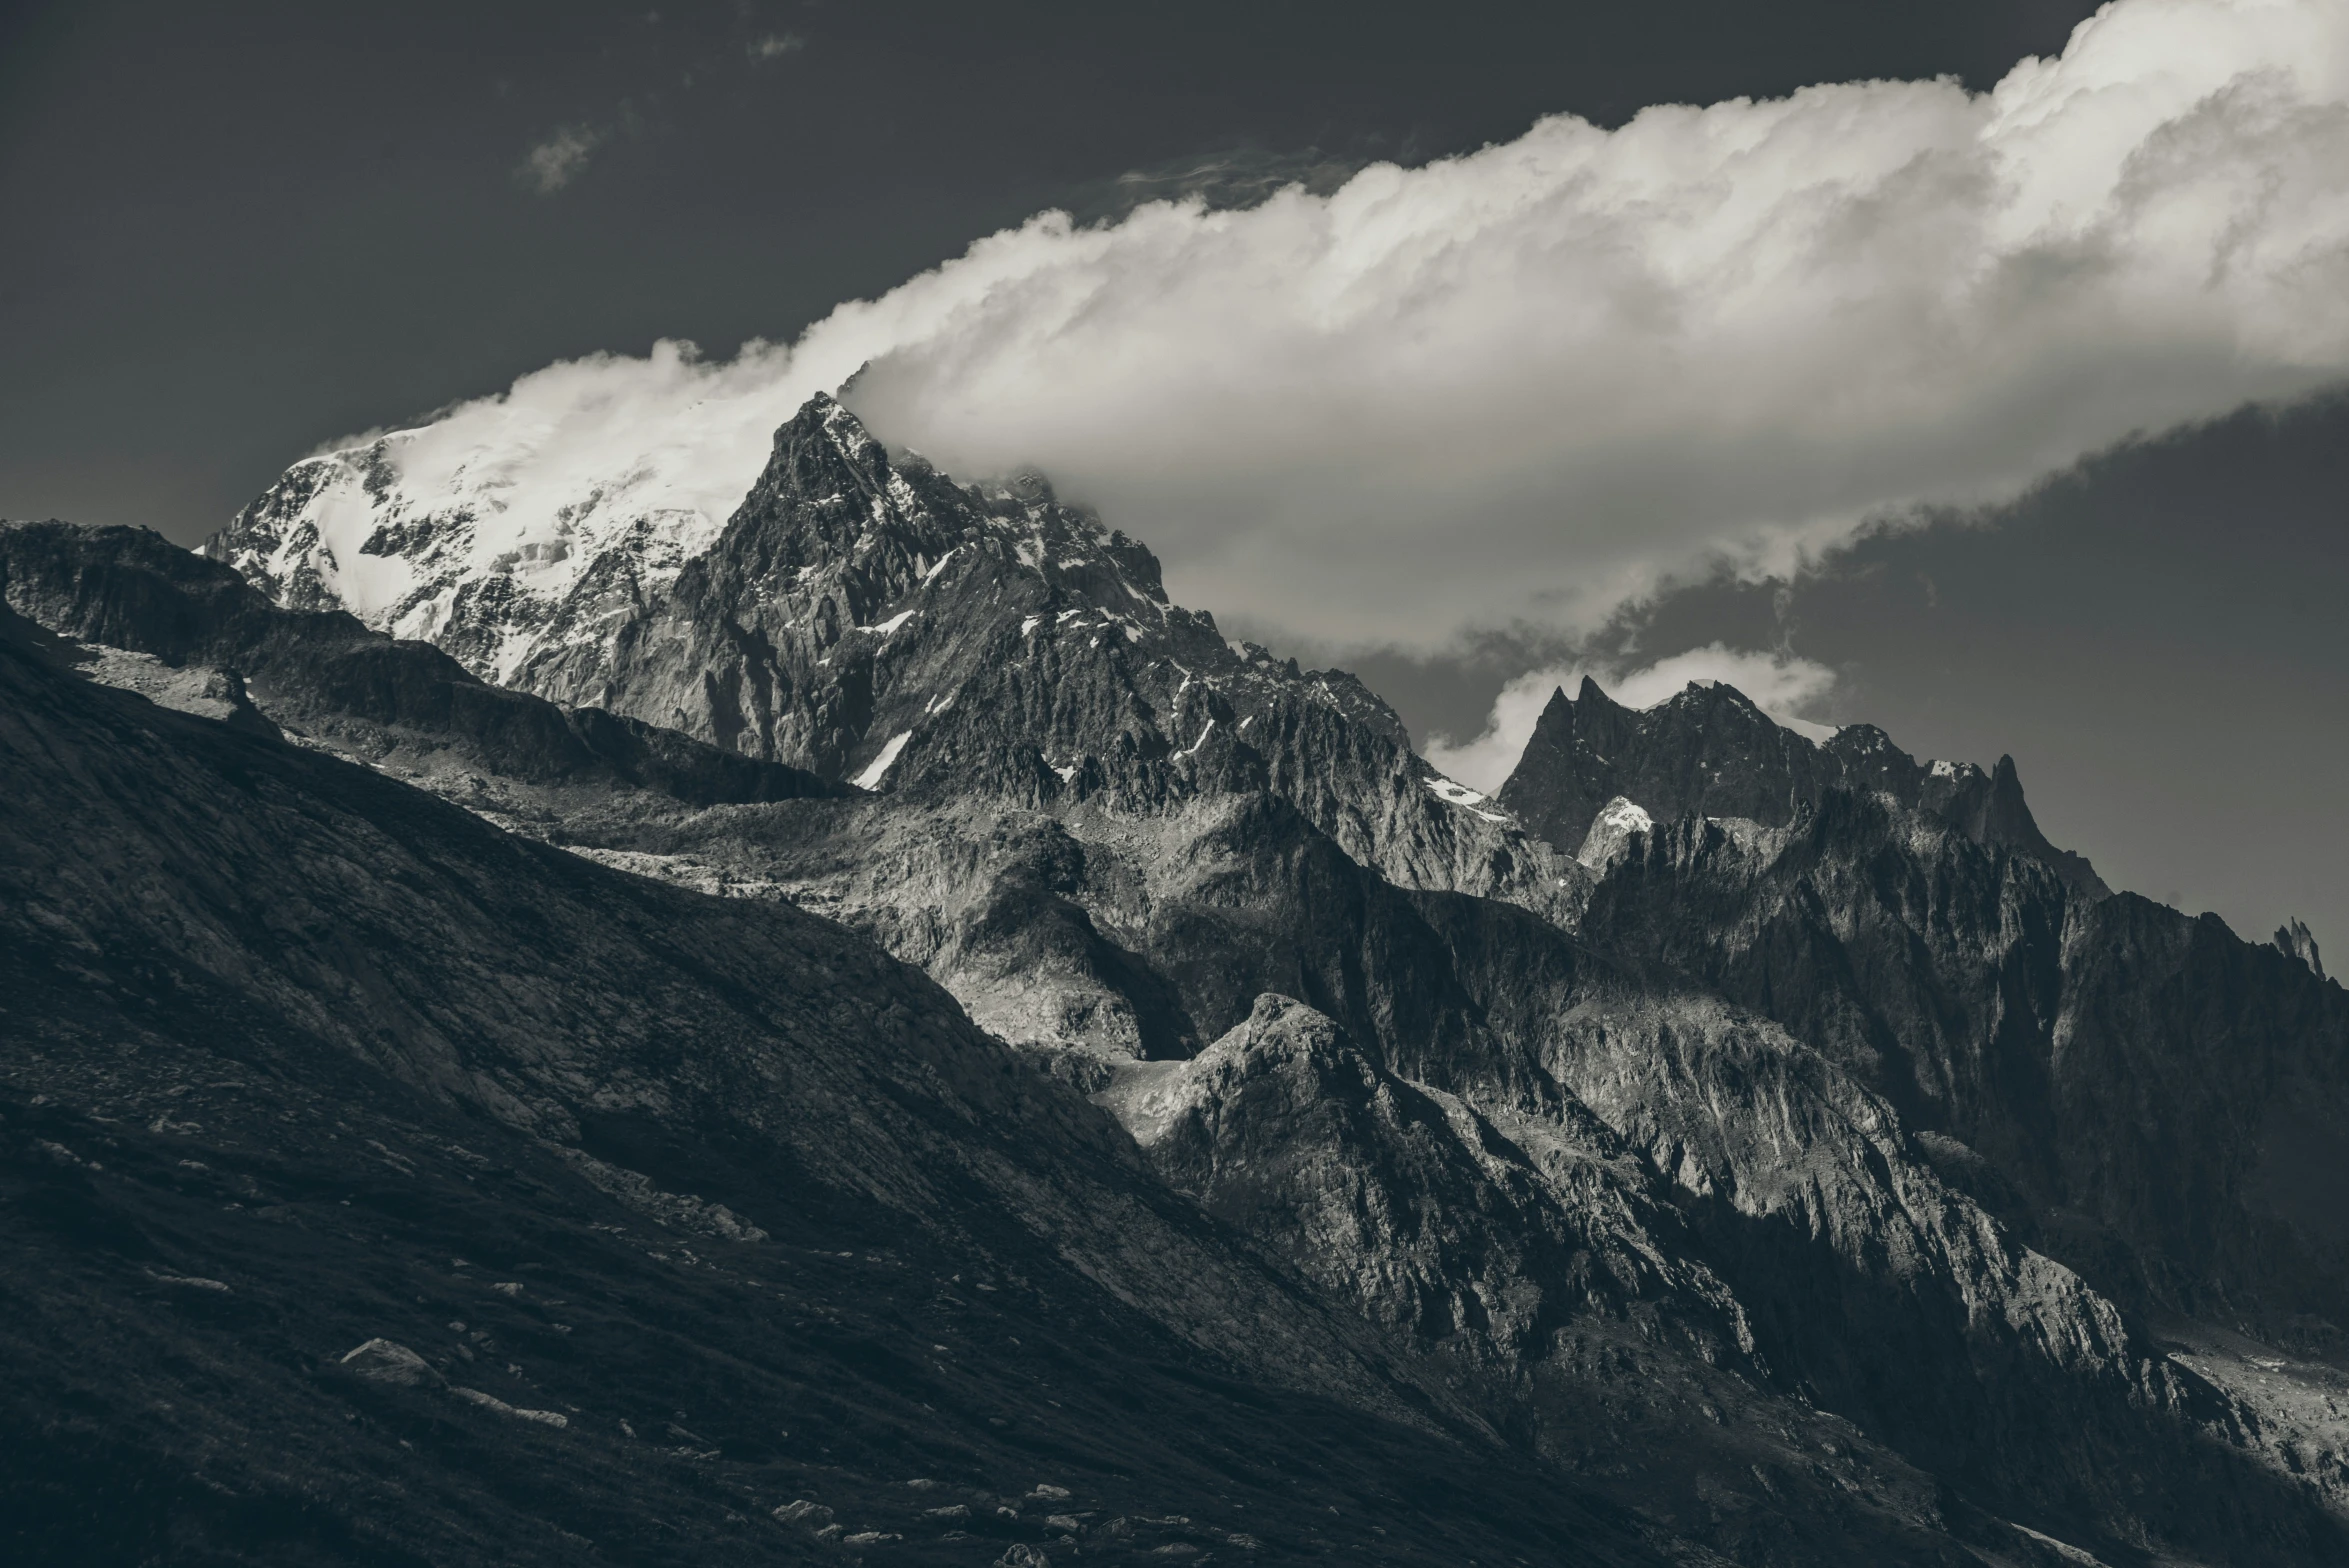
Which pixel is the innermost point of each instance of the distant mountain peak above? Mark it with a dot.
(1710, 750)
(2294, 940)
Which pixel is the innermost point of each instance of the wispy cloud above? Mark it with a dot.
(560, 159)
(773, 46)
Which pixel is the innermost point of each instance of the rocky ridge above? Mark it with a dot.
(193, 635)
(2133, 1089)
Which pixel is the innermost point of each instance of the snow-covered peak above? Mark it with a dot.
(1612, 830)
(472, 531)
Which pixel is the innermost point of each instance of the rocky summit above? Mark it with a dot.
(858, 1030)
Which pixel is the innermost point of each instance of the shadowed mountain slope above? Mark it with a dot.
(676, 1210)
(2147, 1096)
(322, 674)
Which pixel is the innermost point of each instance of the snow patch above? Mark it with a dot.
(878, 768)
(1457, 794)
(884, 628)
(1624, 816)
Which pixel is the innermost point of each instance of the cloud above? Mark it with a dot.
(560, 159)
(1788, 688)
(1523, 388)
(773, 46)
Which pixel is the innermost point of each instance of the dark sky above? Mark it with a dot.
(235, 230)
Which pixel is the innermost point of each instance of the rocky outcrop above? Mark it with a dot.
(2293, 937)
(1534, 1256)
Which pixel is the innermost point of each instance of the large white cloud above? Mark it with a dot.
(1527, 385)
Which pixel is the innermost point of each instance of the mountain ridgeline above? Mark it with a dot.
(992, 1072)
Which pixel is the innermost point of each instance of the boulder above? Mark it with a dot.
(384, 1361)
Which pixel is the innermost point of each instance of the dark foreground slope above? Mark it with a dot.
(687, 1209)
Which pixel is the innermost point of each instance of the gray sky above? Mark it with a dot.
(236, 231)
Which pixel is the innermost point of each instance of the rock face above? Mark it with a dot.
(2092, 1068)
(2293, 938)
(1777, 1140)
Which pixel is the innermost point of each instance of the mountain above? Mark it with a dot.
(871, 621)
(1763, 1151)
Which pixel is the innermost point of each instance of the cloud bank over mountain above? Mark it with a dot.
(1527, 386)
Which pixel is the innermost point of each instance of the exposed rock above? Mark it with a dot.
(497, 1406)
(1611, 833)
(2293, 938)
(383, 1361)
(187, 1281)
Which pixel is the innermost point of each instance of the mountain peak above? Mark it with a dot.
(2294, 940)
